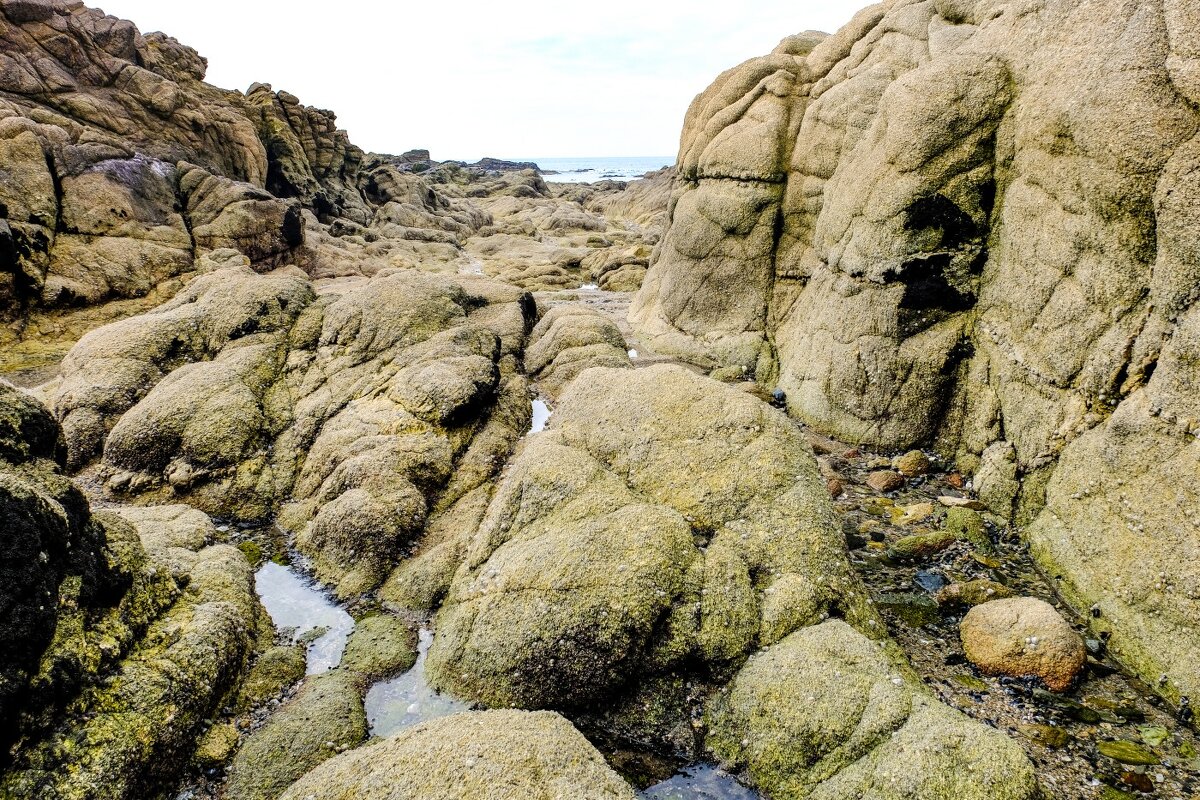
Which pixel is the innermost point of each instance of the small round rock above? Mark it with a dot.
(1023, 637)
(912, 464)
(885, 480)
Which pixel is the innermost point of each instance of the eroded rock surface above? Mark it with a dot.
(663, 519)
(126, 630)
(247, 390)
(489, 755)
(826, 713)
(937, 226)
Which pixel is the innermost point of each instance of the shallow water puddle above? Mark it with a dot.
(541, 416)
(295, 601)
(589, 287)
(700, 782)
(404, 701)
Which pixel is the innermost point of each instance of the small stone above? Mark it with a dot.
(929, 580)
(912, 464)
(885, 480)
(968, 526)
(836, 487)
(1137, 780)
(855, 541)
(216, 746)
(1022, 637)
(920, 546)
(973, 593)
(956, 480)
(1046, 735)
(1127, 752)
(910, 515)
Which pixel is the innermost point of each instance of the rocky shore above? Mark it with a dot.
(852, 457)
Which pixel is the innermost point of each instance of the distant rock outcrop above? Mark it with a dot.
(973, 224)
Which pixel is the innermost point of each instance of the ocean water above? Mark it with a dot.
(590, 170)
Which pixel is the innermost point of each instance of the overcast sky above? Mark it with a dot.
(523, 78)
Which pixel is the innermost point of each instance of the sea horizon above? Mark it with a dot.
(589, 169)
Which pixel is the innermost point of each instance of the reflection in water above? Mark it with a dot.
(404, 701)
(295, 601)
(700, 782)
(589, 287)
(541, 415)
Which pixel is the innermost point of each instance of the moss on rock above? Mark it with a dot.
(380, 647)
(828, 713)
(488, 755)
(325, 718)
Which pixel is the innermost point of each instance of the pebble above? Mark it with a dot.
(912, 464)
(885, 480)
(1127, 752)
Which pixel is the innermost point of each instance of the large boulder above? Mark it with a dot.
(664, 520)
(489, 755)
(828, 713)
(938, 227)
(1023, 637)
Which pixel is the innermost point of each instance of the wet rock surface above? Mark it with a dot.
(924, 601)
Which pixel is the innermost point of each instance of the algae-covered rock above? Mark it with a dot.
(663, 519)
(124, 631)
(275, 670)
(827, 713)
(50, 546)
(912, 464)
(131, 733)
(974, 592)
(380, 647)
(968, 525)
(920, 545)
(569, 339)
(486, 755)
(325, 718)
(1023, 636)
(248, 390)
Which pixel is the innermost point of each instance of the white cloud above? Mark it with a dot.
(466, 79)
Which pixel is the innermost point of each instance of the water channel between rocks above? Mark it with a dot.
(295, 602)
(301, 609)
(408, 699)
(541, 416)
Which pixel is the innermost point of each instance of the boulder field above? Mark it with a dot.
(959, 233)
(972, 225)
